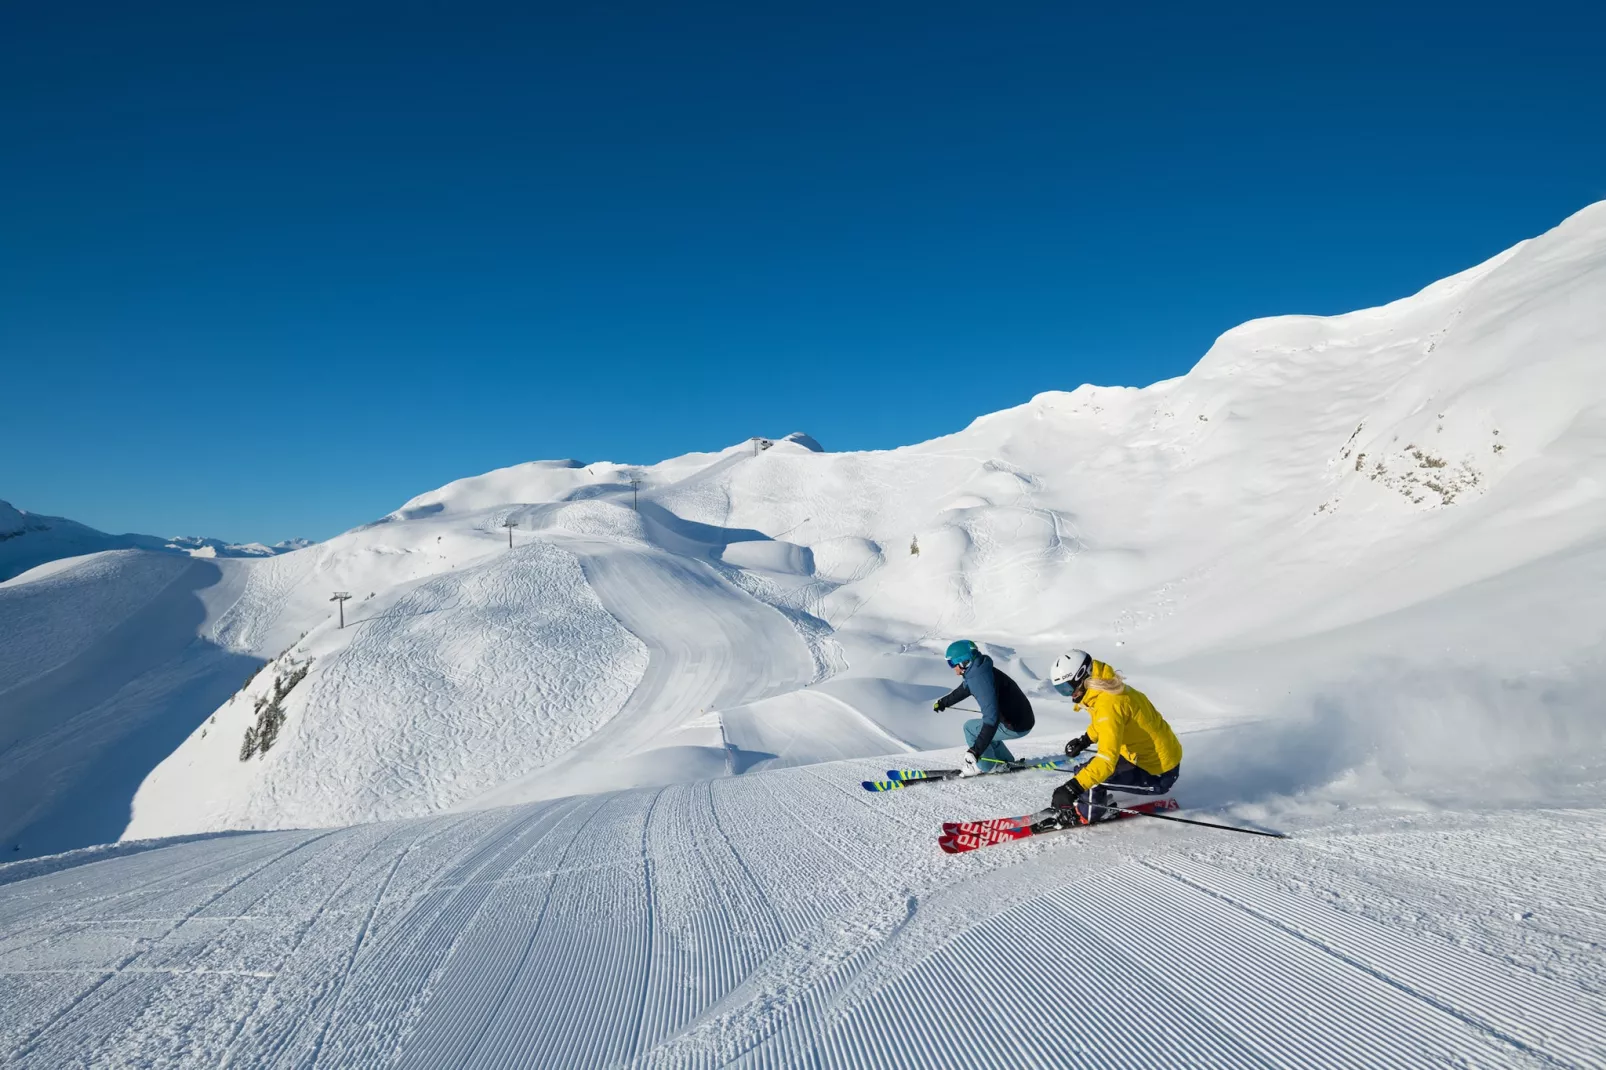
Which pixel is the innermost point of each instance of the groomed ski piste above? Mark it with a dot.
(595, 800)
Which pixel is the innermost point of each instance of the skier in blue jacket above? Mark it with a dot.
(1005, 712)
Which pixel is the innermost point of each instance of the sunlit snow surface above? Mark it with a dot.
(1358, 561)
(790, 919)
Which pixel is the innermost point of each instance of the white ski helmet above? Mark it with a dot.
(1070, 670)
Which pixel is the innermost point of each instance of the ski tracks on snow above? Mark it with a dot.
(780, 920)
(710, 646)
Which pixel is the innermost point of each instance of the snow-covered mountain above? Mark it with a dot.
(776, 604)
(1358, 561)
(28, 540)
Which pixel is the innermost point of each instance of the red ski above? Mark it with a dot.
(959, 836)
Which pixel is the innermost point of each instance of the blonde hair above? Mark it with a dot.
(1111, 684)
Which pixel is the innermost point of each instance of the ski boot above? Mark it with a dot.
(1053, 819)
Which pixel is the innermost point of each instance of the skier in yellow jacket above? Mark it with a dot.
(1138, 752)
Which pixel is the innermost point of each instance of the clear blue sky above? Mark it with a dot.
(269, 270)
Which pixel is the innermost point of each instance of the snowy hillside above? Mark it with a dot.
(108, 663)
(1358, 562)
(788, 919)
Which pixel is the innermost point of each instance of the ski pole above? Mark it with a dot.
(1192, 821)
(1022, 764)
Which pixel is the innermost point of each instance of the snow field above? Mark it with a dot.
(787, 918)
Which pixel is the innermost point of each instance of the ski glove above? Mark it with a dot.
(1077, 745)
(1066, 794)
(938, 706)
(969, 767)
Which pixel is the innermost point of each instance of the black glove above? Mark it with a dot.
(1066, 794)
(938, 706)
(1077, 746)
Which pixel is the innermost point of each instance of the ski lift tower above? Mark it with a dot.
(341, 596)
(635, 491)
(510, 524)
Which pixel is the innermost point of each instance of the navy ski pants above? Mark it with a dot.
(1129, 778)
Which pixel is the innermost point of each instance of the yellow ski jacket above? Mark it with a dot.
(1125, 724)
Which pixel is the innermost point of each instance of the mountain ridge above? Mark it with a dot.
(28, 540)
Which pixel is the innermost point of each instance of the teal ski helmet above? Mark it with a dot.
(962, 652)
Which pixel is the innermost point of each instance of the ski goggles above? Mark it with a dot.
(1070, 687)
(952, 664)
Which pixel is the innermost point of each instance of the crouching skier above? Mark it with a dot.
(1005, 712)
(1138, 752)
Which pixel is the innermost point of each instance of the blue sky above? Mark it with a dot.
(270, 270)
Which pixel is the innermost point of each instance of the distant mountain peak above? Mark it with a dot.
(28, 540)
(13, 521)
(808, 442)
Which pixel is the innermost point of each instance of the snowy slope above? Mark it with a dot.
(108, 661)
(107, 664)
(790, 919)
(1295, 444)
(466, 665)
(111, 654)
(1358, 561)
(451, 688)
